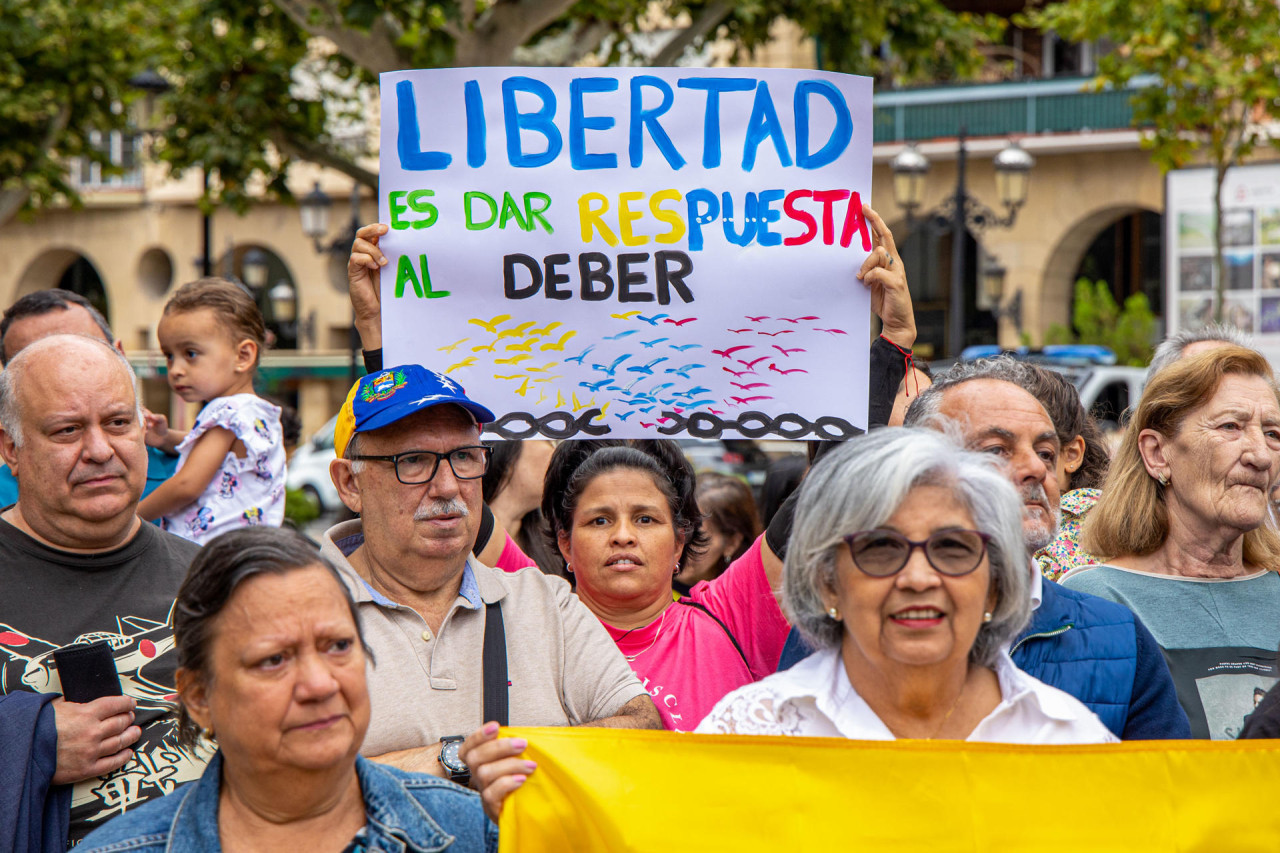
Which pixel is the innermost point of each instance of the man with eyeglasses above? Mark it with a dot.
(456, 644)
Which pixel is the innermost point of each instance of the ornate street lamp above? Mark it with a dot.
(909, 168)
(314, 209)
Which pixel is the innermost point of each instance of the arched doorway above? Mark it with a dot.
(69, 270)
(284, 329)
(1127, 255)
(1119, 244)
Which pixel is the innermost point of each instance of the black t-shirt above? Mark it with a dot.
(51, 598)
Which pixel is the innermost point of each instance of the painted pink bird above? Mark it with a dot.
(775, 369)
(727, 353)
(679, 322)
(742, 401)
(832, 331)
(787, 352)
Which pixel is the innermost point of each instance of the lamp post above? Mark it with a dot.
(314, 210)
(962, 213)
(152, 85)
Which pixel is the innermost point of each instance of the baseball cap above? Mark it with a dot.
(385, 396)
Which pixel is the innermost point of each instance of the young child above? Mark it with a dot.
(231, 465)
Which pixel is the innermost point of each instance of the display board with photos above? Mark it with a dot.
(1251, 251)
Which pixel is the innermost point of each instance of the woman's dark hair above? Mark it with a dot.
(235, 308)
(531, 537)
(215, 574)
(576, 463)
(1061, 400)
(780, 480)
(726, 501)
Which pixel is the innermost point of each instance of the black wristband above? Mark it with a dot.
(372, 359)
(779, 530)
(486, 529)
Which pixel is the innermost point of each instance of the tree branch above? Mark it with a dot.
(375, 51)
(504, 27)
(322, 155)
(568, 46)
(712, 16)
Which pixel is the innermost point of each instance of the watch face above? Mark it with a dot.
(449, 756)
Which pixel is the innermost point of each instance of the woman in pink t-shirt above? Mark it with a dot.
(624, 517)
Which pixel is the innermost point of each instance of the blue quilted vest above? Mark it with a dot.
(1085, 646)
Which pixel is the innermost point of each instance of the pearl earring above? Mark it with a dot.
(833, 613)
(1163, 479)
(986, 617)
(568, 567)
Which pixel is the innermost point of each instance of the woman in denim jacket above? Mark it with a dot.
(272, 672)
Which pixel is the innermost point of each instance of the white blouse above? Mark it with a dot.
(815, 699)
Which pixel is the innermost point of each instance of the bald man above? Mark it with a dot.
(77, 565)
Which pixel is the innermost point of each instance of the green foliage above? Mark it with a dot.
(300, 507)
(1218, 63)
(1129, 331)
(63, 71)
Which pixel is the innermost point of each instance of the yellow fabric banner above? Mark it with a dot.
(623, 790)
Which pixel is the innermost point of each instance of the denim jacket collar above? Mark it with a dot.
(395, 821)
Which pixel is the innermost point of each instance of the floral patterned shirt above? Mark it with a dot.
(245, 491)
(1064, 553)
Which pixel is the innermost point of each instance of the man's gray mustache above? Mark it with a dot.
(440, 508)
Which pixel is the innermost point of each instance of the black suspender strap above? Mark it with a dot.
(496, 705)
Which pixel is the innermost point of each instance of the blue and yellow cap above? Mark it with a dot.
(385, 396)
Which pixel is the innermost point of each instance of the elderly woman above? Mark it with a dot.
(272, 670)
(1182, 530)
(625, 518)
(907, 571)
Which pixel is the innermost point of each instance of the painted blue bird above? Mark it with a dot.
(622, 335)
(610, 368)
(647, 369)
(654, 320)
(684, 370)
(683, 347)
(653, 343)
(580, 356)
(594, 386)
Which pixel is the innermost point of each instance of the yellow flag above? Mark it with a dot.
(625, 790)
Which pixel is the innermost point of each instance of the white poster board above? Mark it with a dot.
(636, 253)
(1251, 251)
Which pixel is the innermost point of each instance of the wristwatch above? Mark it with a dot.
(456, 769)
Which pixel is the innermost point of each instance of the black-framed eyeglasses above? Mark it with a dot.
(414, 467)
(882, 553)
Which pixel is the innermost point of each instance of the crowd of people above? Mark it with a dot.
(976, 567)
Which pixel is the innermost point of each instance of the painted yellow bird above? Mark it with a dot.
(524, 387)
(546, 330)
(551, 378)
(512, 376)
(544, 368)
(466, 362)
(578, 405)
(559, 400)
(515, 359)
(484, 348)
(527, 346)
(453, 346)
(558, 345)
(626, 316)
(491, 326)
(542, 394)
(515, 331)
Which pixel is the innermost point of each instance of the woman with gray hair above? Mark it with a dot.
(907, 571)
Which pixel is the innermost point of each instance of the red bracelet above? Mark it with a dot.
(908, 362)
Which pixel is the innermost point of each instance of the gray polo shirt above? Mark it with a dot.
(564, 670)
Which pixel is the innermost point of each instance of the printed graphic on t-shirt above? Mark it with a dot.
(144, 655)
(1219, 687)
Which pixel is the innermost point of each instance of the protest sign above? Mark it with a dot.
(632, 252)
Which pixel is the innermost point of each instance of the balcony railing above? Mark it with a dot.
(1003, 109)
(123, 150)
